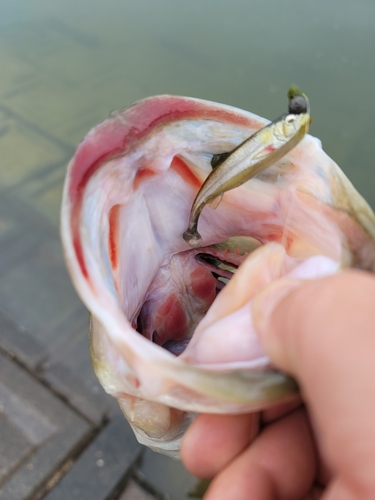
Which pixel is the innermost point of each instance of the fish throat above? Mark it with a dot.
(184, 289)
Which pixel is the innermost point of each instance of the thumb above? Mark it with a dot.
(322, 332)
(304, 325)
(272, 330)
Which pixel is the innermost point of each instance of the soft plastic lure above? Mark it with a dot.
(250, 158)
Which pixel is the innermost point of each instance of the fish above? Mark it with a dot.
(250, 158)
(171, 331)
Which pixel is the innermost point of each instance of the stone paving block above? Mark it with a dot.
(41, 433)
(43, 190)
(103, 467)
(134, 491)
(73, 78)
(14, 446)
(167, 475)
(94, 404)
(7, 227)
(41, 317)
(16, 341)
(20, 231)
(66, 56)
(37, 293)
(25, 149)
(18, 76)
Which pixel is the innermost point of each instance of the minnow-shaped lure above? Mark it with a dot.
(250, 158)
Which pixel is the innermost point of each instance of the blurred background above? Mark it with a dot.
(64, 66)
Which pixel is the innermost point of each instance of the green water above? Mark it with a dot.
(66, 64)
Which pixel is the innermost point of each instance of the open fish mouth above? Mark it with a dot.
(171, 328)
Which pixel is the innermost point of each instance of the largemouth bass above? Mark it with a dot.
(171, 327)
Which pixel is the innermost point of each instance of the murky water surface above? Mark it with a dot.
(66, 64)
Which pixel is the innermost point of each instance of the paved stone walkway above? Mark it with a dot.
(61, 437)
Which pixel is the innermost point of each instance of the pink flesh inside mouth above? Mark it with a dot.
(190, 282)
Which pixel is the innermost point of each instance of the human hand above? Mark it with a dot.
(323, 334)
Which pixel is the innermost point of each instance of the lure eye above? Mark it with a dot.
(298, 104)
(290, 118)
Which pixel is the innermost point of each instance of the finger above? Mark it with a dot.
(280, 410)
(342, 489)
(213, 440)
(323, 334)
(280, 464)
(316, 493)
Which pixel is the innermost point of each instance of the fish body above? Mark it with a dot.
(171, 327)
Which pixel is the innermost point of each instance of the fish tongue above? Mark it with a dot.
(226, 334)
